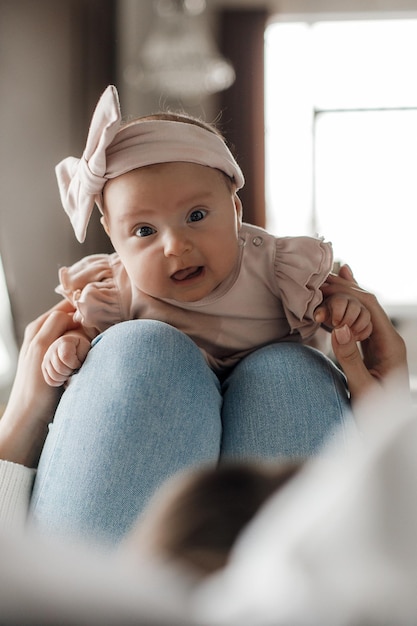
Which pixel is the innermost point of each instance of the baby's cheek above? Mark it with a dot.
(151, 280)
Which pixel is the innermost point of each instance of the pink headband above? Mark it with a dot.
(113, 149)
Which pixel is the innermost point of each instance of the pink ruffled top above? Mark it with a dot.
(270, 297)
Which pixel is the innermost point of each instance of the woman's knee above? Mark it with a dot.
(133, 332)
(145, 355)
(139, 340)
(283, 399)
(287, 360)
(290, 374)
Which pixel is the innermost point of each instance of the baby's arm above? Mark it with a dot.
(342, 309)
(65, 355)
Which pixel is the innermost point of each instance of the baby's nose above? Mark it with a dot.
(176, 243)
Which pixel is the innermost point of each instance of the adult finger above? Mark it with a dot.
(346, 273)
(63, 307)
(350, 360)
(50, 326)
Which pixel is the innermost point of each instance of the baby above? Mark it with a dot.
(166, 186)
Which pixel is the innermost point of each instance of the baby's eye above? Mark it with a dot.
(144, 231)
(197, 215)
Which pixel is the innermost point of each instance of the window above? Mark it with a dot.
(341, 145)
(8, 348)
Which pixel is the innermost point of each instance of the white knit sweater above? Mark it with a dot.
(15, 488)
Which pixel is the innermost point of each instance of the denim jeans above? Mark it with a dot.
(145, 405)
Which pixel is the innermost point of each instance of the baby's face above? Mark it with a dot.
(175, 227)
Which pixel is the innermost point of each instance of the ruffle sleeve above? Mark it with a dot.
(99, 289)
(301, 266)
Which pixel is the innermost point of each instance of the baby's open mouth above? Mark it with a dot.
(187, 273)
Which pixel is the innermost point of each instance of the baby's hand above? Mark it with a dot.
(339, 310)
(65, 355)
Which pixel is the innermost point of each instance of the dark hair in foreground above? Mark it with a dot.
(204, 517)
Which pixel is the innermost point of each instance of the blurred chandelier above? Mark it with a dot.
(179, 57)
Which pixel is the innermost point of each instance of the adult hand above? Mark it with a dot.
(382, 354)
(345, 310)
(32, 402)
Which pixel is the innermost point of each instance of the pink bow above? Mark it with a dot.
(80, 181)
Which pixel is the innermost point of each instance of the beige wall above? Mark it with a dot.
(40, 123)
(34, 130)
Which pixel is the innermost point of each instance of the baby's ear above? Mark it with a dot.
(239, 208)
(104, 224)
